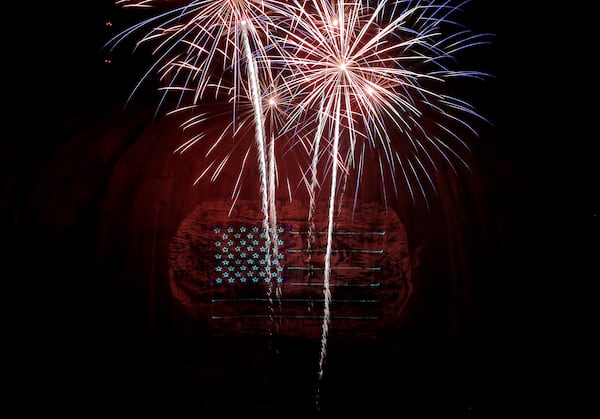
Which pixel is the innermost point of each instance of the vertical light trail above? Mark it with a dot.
(274, 237)
(266, 186)
(312, 193)
(259, 130)
(329, 248)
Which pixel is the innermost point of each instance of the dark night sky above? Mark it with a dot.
(543, 102)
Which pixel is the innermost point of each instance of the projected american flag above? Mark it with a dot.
(240, 254)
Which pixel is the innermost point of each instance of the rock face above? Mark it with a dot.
(218, 269)
(146, 219)
(132, 218)
(116, 248)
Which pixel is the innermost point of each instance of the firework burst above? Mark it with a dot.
(346, 83)
(203, 45)
(371, 79)
(377, 76)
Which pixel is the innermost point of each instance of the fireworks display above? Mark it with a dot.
(344, 83)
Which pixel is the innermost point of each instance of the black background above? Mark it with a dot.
(543, 102)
